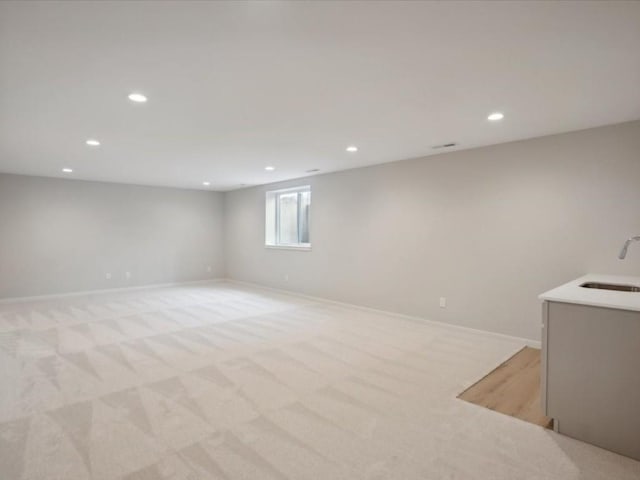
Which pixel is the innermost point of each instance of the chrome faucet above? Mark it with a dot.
(623, 252)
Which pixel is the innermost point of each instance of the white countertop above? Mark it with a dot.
(572, 292)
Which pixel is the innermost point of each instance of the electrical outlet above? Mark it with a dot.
(127, 275)
(107, 276)
(443, 302)
(286, 277)
(209, 269)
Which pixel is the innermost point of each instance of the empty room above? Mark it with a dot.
(304, 240)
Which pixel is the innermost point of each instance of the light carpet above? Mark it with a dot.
(221, 381)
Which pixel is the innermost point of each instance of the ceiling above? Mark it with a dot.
(234, 87)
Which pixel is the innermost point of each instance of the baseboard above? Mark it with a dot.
(52, 296)
(524, 341)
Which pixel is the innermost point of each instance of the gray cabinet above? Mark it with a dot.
(591, 374)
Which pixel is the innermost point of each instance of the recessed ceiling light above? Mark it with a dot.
(269, 169)
(67, 170)
(495, 116)
(92, 143)
(137, 97)
(352, 148)
(206, 184)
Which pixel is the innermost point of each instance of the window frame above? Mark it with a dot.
(272, 218)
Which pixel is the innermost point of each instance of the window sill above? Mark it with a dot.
(303, 248)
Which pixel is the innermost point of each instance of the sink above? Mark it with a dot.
(611, 286)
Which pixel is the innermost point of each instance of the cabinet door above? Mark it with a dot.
(593, 385)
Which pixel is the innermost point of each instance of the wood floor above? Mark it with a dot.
(513, 388)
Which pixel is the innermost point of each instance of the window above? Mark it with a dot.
(287, 218)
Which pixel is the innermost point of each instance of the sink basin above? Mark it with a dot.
(611, 286)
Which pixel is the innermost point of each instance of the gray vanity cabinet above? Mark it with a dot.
(591, 374)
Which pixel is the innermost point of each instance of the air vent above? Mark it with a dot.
(444, 145)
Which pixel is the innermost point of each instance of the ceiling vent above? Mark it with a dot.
(444, 145)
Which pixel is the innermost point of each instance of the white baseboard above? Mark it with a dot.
(150, 286)
(525, 341)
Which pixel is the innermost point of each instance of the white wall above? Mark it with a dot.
(488, 228)
(61, 235)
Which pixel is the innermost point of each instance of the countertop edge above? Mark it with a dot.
(572, 292)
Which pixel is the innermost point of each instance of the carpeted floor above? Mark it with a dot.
(221, 381)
